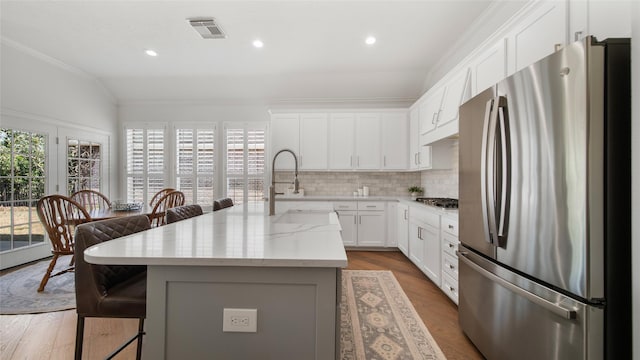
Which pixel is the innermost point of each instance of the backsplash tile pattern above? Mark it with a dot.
(442, 183)
(345, 183)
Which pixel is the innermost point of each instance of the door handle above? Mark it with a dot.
(553, 307)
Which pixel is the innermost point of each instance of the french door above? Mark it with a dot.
(38, 159)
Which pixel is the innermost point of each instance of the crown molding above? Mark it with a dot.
(59, 64)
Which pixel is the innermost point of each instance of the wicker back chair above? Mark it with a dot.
(91, 200)
(158, 214)
(59, 215)
(157, 196)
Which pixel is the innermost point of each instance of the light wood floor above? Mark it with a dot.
(52, 335)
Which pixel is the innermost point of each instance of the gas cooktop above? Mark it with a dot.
(446, 203)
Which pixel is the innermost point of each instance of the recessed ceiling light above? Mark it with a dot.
(258, 43)
(370, 40)
(151, 52)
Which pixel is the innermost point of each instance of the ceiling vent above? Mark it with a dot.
(207, 28)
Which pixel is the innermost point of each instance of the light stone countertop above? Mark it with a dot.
(236, 236)
(402, 199)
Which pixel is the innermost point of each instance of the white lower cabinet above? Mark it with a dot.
(363, 222)
(402, 228)
(449, 236)
(424, 241)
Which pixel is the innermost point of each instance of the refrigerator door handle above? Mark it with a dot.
(553, 307)
(487, 166)
(505, 166)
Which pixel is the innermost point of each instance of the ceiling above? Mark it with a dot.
(313, 50)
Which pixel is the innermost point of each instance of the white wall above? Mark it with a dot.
(635, 216)
(40, 88)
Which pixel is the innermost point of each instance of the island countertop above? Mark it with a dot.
(242, 235)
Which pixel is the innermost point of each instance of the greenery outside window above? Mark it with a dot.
(22, 183)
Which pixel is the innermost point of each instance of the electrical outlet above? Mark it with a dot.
(240, 320)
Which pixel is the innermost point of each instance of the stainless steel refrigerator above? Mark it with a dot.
(544, 208)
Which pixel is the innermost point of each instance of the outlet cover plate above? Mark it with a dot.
(240, 320)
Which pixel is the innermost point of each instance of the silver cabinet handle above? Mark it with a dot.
(405, 214)
(554, 308)
(434, 118)
(384, 161)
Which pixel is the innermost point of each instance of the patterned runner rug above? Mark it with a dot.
(379, 322)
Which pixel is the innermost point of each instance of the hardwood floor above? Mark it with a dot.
(52, 335)
(437, 311)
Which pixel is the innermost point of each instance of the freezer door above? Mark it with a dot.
(545, 170)
(509, 317)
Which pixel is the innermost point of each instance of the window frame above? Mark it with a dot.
(165, 175)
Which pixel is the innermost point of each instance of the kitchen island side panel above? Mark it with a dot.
(296, 312)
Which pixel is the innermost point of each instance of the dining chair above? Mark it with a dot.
(158, 215)
(110, 291)
(60, 215)
(183, 212)
(222, 204)
(91, 200)
(157, 196)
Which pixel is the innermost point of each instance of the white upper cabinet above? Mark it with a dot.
(537, 35)
(342, 132)
(314, 141)
(284, 135)
(414, 138)
(394, 140)
(457, 91)
(430, 109)
(595, 18)
(453, 92)
(367, 156)
(489, 67)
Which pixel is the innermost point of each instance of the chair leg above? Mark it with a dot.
(140, 333)
(46, 276)
(79, 337)
(73, 259)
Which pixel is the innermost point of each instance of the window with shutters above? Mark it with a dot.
(195, 164)
(245, 162)
(146, 169)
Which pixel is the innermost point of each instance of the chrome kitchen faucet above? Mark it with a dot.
(272, 188)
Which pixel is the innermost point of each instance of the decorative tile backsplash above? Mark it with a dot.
(345, 183)
(436, 183)
(442, 183)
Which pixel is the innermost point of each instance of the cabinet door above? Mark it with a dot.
(368, 141)
(394, 141)
(371, 228)
(429, 110)
(538, 34)
(285, 134)
(416, 244)
(414, 137)
(490, 67)
(313, 142)
(456, 93)
(431, 260)
(402, 228)
(349, 225)
(342, 129)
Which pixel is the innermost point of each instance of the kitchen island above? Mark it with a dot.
(287, 267)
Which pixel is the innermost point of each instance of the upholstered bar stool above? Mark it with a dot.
(109, 291)
(222, 204)
(183, 212)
